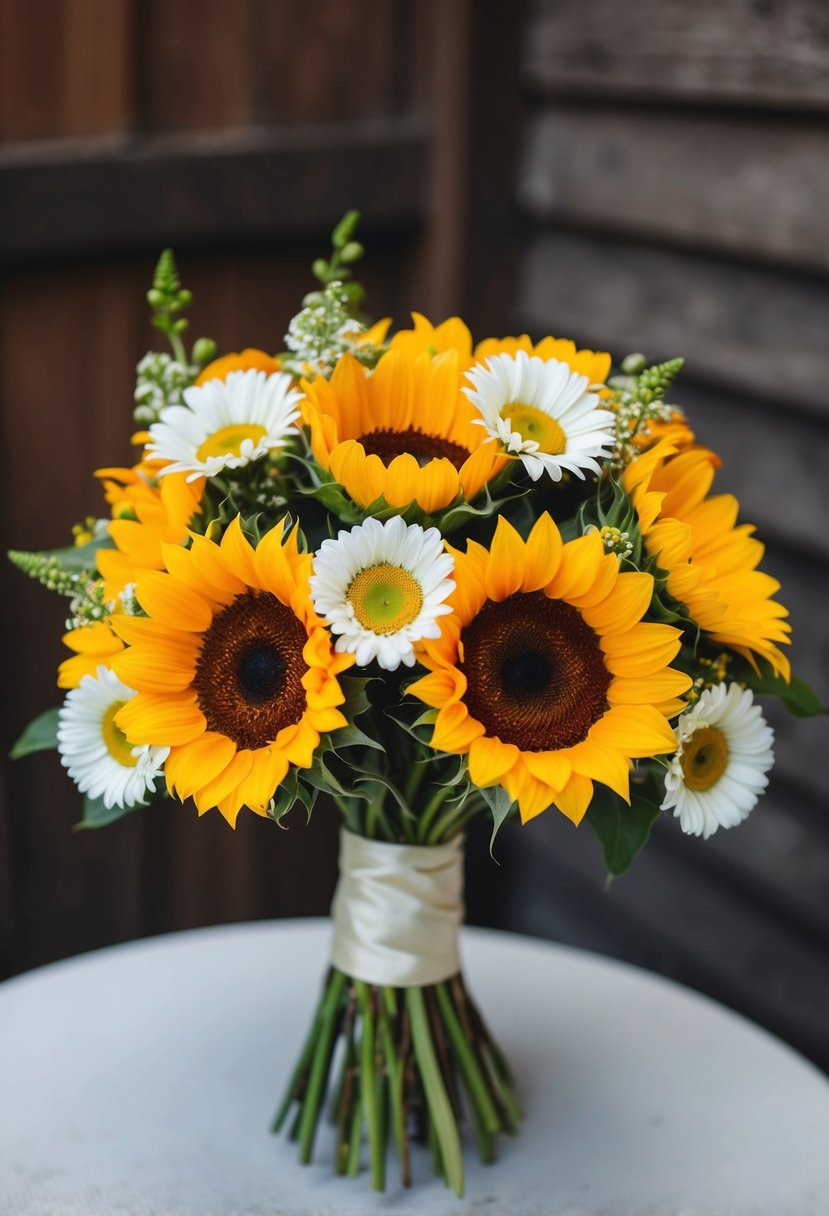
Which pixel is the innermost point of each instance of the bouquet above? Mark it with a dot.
(430, 580)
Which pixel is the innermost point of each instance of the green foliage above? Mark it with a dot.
(501, 806)
(344, 252)
(799, 698)
(41, 735)
(97, 815)
(168, 299)
(653, 383)
(622, 830)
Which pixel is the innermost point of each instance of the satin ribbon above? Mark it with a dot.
(397, 911)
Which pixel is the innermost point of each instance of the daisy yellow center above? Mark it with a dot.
(704, 758)
(385, 598)
(118, 746)
(533, 424)
(229, 439)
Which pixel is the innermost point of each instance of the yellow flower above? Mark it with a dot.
(545, 673)
(711, 560)
(404, 432)
(453, 334)
(245, 360)
(146, 516)
(234, 670)
(92, 645)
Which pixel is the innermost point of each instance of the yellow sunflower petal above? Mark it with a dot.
(505, 569)
(542, 554)
(637, 731)
(222, 786)
(161, 719)
(575, 798)
(455, 729)
(490, 759)
(165, 599)
(190, 766)
(624, 607)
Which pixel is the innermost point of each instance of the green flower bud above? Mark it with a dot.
(344, 231)
(633, 364)
(155, 298)
(352, 252)
(185, 298)
(320, 269)
(204, 351)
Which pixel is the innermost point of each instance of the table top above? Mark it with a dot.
(140, 1081)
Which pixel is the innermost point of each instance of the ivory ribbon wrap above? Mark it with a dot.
(397, 910)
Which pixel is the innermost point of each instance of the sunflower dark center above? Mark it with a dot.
(535, 672)
(249, 673)
(387, 444)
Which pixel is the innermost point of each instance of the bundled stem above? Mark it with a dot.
(407, 1059)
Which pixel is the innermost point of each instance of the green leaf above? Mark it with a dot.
(96, 815)
(800, 698)
(501, 805)
(76, 558)
(345, 230)
(622, 830)
(285, 796)
(41, 735)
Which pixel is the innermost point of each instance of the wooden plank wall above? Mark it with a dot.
(239, 130)
(674, 189)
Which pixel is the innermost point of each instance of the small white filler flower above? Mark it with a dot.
(719, 769)
(543, 412)
(381, 587)
(226, 423)
(100, 759)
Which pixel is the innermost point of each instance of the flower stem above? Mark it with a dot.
(440, 1110)
(320, 1065)
(368, 1087)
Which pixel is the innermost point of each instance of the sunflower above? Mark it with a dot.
(402, 433)
(710, 560)
(92, 646)
(453, 334)
(147, 514)
(545, 673)
(234, 669)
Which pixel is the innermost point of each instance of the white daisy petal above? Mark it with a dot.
(381, 588)
(724, 751)
(226, 423)
(98, 756)
(542, 412)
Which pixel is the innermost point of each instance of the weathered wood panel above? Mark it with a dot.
(66, 67)
(743, 52)
(96, 198)
(740, 185)
(746, 328)
(774, 459)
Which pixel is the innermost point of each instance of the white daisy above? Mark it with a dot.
(382, 587)
(100, 760)
(719, 769)
(543, 412)
(226, 423)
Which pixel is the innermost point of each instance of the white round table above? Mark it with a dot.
(140, 1081)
